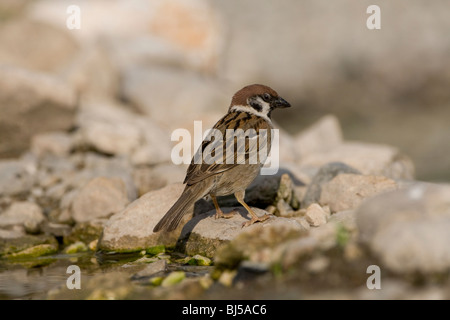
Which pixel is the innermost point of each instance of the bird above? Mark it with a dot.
(250, 110)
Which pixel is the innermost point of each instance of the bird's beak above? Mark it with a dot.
(280, 103)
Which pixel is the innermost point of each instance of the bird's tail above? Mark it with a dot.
(184, 204)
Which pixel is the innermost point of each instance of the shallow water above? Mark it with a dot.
(35, 278)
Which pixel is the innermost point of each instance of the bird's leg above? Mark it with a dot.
(219, 212)
(240, 197)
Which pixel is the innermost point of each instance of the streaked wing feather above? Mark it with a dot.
(199, 171)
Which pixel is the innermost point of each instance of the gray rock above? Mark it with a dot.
(315, 215)
(86, 232)
(151, 269)
(367, 158)
(23, 213)
(48, 105)
(11, 245)
(179, 34)
(94, 165)
(408, 229)
(16, 176)
(347, 191)
(256, 243)
(115, 130)
(99, 198)
(45, 58)
(323, 135)
(57, 143)
(152, 91)
(325, 174)
(346, 218)
(132, 228)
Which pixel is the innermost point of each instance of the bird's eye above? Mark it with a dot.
(266, 97)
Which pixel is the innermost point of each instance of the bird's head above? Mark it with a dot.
(258, 99)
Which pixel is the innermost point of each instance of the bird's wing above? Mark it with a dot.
(220, 146)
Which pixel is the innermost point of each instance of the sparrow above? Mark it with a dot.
(250, 110)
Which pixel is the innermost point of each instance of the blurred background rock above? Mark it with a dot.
(170, 62)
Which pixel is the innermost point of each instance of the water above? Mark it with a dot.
(36, 278)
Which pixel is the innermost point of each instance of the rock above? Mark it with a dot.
(132, 228)
(346, 218)
(347, 191)
(34, 252)
(11, 234)
(315, 215)
(95, 166)
(56, 229)
(85, 231)
(290, 252)
(408, 228)
(108, 129)
(326, 173)
(112, 285)
(93, 72)
(13, 245)
(180, 34)
(323, 135)
(173, 278)
(57, 143)
(201, 260)
(76, 247)
(16, 176)
(23, 213)
(100, 198)
(49, 105)
(367, 158)
(112, 129)
(151, 91)
(45, 58)
(151, 269)
(158, 176)
(255, 243)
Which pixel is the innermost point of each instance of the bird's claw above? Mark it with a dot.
(254, 220)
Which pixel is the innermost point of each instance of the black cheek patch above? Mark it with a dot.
(256, 106)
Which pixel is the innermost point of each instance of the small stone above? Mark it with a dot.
(156, 281)
(100, 198)
(347, 191)
(56, 143)
(132, 228)
(15, 177)
(85, 231)
(367, 158)
(201, 260)
(226, 278)
(13, 243)
(315, 215)
(156, 250)
(204, 234)
(318, 264)
(23, 213)
(152, 269)
(408, 228)
(324, 134)
(173, 278)
(93, 245)
(56, 229)
(76, 247)
(36, 251)
(49, 104)
(325, 174)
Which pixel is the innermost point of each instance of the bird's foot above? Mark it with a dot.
(254, 220)
(220, 214)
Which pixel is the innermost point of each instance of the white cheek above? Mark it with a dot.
(265, 106)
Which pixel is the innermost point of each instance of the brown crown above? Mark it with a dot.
(240, 97)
